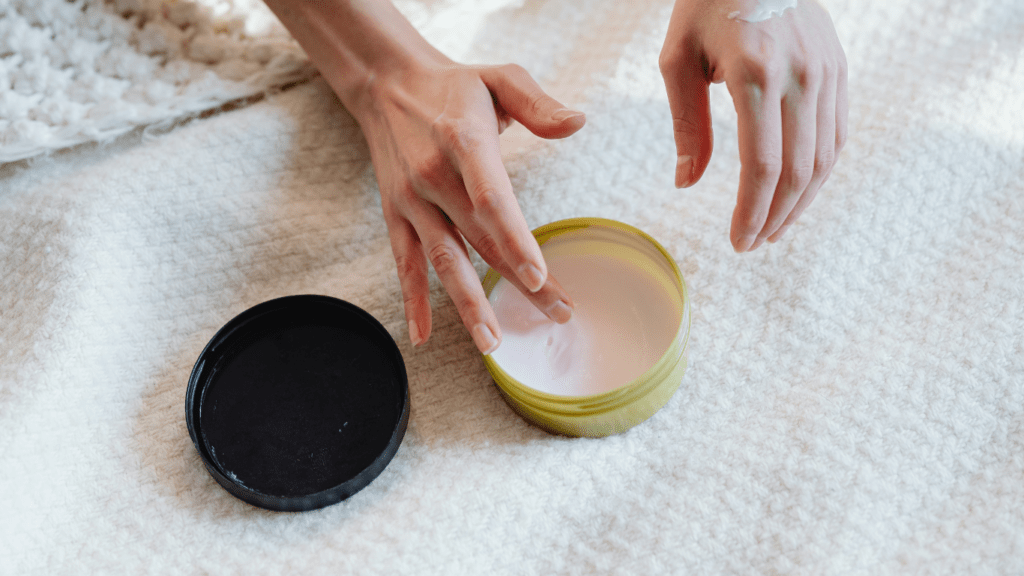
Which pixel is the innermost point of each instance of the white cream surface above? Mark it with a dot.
(764, 10)
(624, 320)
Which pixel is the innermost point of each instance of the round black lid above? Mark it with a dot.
(298, 403)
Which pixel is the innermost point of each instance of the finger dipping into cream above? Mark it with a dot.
(621, 355)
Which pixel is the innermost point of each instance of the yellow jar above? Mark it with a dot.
(628, 403)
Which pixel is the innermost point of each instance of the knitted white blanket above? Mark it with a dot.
(854, 404)
(74, 71)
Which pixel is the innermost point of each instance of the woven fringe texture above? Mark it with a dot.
(90, 70)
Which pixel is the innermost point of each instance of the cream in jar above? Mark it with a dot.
(626, 317)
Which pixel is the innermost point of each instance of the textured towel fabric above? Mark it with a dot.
(854, 404)
(74, 71)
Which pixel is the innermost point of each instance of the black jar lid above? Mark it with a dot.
(298, 402)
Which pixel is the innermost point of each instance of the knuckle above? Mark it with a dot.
(486, 198)
(766, 168)
(750, 223)
(757, 62)
(514, 71)
(443, 258)
(829, 71)
(841, 65)
(390, 207)
(406, 196)
(411, 300)
(756, 70)
(489, 249)
(800, 175)
(539, 104)
(824, 160)
(455, 134)
(687, 124)
(396, 204)
(407, 267)
(668, 61)
(467, 306)
(429, 171)
(807, 75)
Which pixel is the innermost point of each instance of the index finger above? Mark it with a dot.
(759, 123)
(496, 210)
(551, 299)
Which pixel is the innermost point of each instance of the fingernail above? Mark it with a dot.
(531, 277)
(684, 171)
(414, 333)
(565, 114)
(744, 243)
(778, 234)
(560, 312)
(484, 338)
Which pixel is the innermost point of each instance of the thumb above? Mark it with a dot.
(687, 87)
(519, 95)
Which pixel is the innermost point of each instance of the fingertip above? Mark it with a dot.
(554, 302)
(560, 312)
(417, 334)
(744, 243)
(573, 121)
(414, 333)
(485, 338)
(778, 234)
(684, 171)
(565, 114)
(565, 123)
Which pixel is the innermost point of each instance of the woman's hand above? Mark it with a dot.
(787, 78)
(433, 137)
(432, 127)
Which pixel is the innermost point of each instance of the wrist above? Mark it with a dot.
(387, 77)
(357, 45)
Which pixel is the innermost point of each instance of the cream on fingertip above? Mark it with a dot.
(484, 338)
(684, 171)
(764, 10)
(415, 336)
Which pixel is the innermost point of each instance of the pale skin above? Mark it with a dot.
(787, 78)
(432, 128)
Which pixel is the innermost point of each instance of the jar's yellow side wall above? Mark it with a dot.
(606, 423)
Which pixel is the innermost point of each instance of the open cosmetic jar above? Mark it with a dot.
(622, 355)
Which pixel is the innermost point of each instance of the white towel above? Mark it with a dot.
(854, 403)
